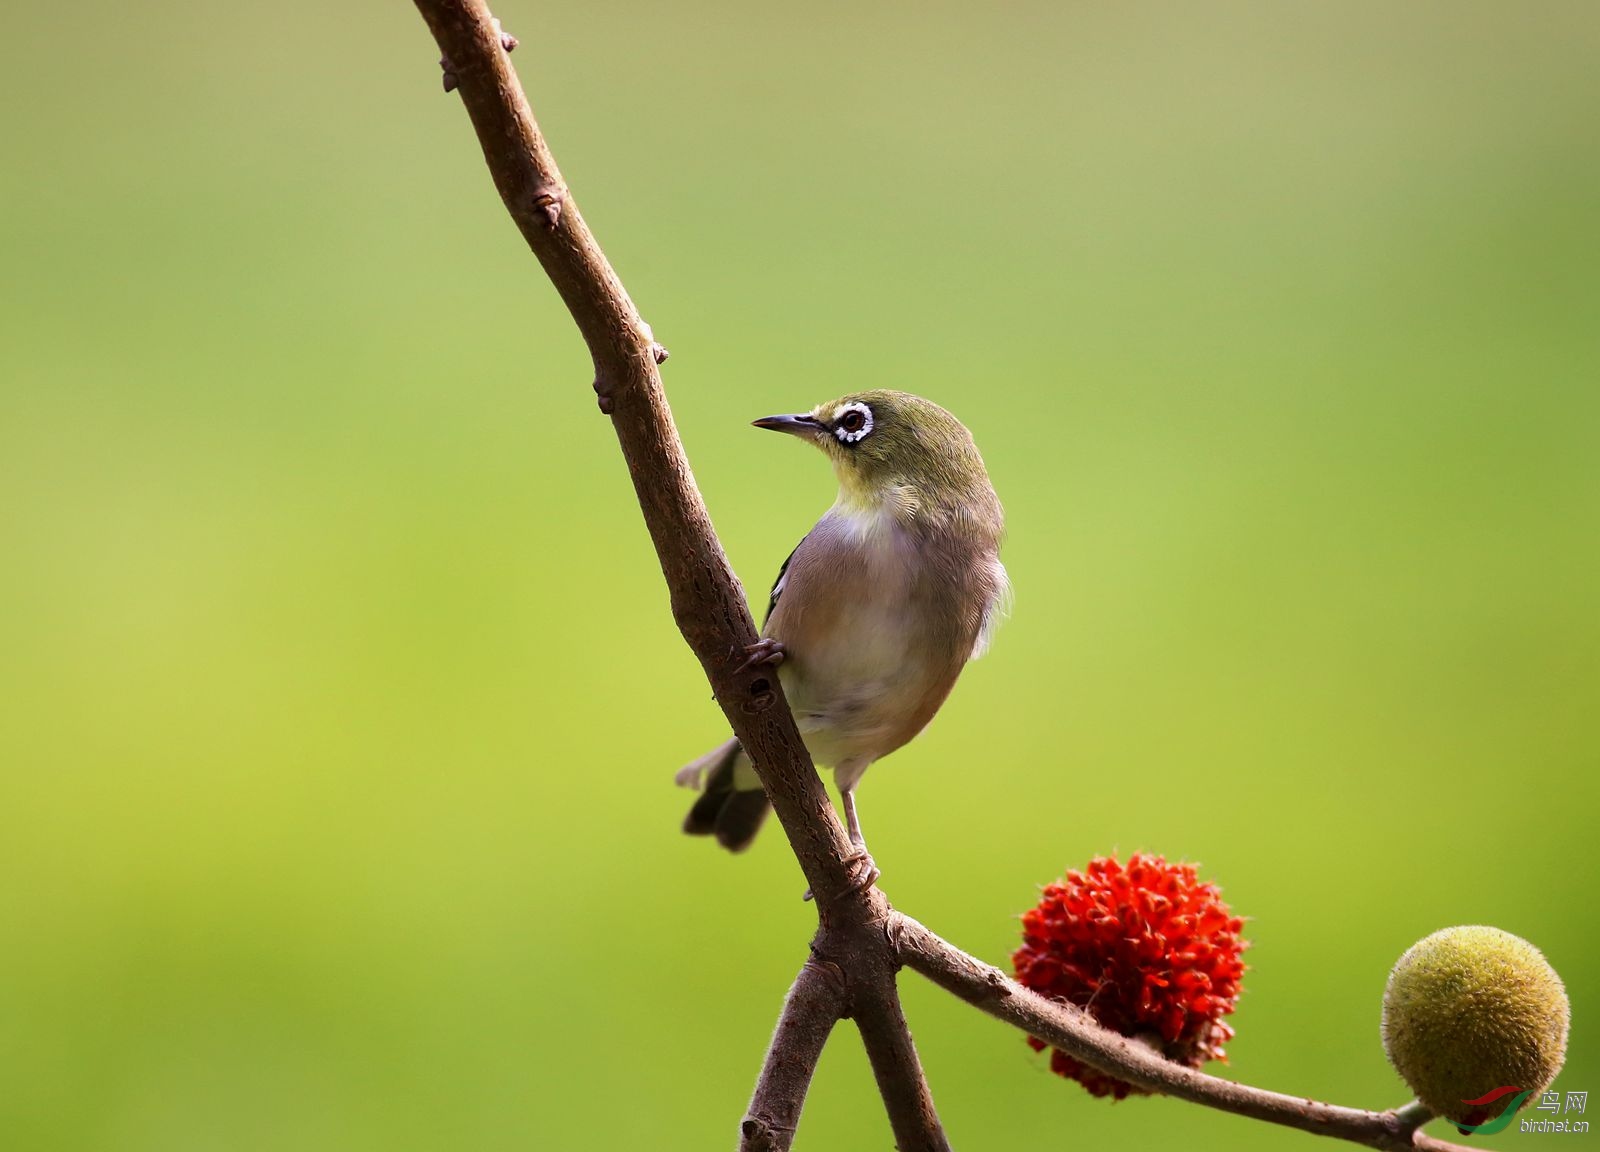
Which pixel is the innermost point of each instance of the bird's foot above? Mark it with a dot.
(866, 870)
(865, 874)
(764, 651)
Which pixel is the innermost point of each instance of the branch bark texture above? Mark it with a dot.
(861, 942)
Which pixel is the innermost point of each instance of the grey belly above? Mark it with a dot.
(855, 692)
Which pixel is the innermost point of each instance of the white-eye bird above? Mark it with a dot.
(876, 611)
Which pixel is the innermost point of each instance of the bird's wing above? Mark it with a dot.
(777, 585)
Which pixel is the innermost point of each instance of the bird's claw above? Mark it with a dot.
(764, 651)
(862, 879)
(868, 874)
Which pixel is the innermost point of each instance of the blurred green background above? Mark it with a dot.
(341, 694)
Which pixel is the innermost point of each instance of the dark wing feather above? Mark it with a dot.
(777, 585)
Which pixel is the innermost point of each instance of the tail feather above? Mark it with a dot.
(733, 815)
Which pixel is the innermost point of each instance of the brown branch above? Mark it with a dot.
(707, 600)
(1076, 1033)
(809, 1013)
(898, 1070)
(859, 935)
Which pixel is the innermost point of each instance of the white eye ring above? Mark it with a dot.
(848, 437)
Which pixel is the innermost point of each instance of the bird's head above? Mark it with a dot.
(894, 447)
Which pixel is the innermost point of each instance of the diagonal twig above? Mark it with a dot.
(1076, 1033)
(707, 599)
(898, 1070)
(809, 1013)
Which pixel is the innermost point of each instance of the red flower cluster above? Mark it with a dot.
(1147, 949)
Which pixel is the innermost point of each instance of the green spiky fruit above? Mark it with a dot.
(1469, 1010)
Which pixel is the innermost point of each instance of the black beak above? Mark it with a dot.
(794, 425)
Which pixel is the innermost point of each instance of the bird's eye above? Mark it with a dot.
(852, 422)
